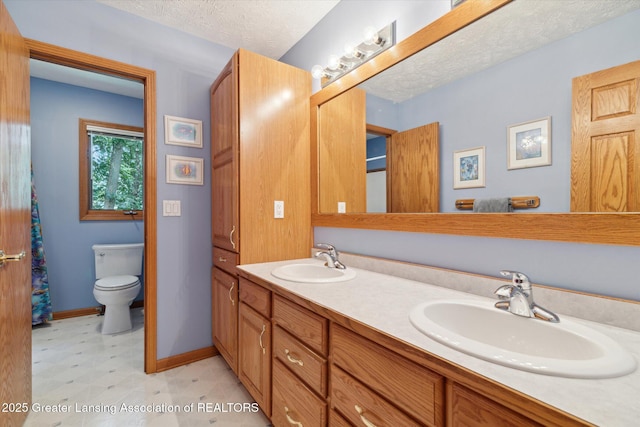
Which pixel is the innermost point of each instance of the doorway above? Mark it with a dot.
(74, 59)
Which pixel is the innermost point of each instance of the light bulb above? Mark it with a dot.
(351, 51)
(371, 36)
(317, 71)
(334, 62)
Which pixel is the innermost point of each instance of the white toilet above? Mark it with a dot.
(117, 271)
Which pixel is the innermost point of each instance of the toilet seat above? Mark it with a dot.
(116, 283)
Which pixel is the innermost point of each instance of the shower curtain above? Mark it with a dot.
(40, 300)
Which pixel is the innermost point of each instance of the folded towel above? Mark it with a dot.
(502, 204)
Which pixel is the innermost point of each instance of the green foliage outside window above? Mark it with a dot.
(117, 178)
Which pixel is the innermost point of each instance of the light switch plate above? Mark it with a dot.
(171, 208)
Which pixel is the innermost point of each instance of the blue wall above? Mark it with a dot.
(55, 110)
(591, 268)
(185, 67)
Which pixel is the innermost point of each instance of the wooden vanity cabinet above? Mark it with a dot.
(260, 153)
(254, 342)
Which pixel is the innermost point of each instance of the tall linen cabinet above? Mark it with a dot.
(259, 155)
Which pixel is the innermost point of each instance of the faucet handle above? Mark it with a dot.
(518, 279)
(327, 246)
(504, 292)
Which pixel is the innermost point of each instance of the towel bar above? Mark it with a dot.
(521, 202)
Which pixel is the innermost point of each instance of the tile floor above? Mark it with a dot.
(100, 380)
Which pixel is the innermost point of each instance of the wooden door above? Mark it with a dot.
(605, 141)
(15, 224)
(254, 354)
(413, 172)
(343, 153)
(224, 159)
(224, 307)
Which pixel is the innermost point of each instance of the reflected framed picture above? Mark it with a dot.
(468, 168)
(529, 144)
(185, 170)
(180, 131)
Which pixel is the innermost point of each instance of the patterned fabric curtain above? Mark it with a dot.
(40, 300)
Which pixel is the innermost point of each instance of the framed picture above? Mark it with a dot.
(185, 170)
(179, 131)
(529, 144)
(468, 168)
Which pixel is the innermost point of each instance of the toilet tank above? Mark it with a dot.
(118, 259)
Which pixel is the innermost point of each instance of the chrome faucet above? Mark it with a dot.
(330, 254)
(517, 298)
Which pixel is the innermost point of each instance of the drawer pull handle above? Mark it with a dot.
(292, 359)
(231, 237)
(291, 420)
(364, 419)
(264, 350)
(222, 259)
(233, 284)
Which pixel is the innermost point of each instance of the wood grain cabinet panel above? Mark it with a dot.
(411, 387)
(225, 260)
(294, 404)
(254, 355)
(361, 406)
(224, 320)
(466, 408)
(302, 361)
(307, 326)
(256, 297)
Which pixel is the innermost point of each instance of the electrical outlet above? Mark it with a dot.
(278, 209)
(342, 207)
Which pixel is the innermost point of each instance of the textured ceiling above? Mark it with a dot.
(516, 28)
(267, 27)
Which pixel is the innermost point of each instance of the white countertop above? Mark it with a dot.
(383, 302)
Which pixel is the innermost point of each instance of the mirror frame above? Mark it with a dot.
(597, 228)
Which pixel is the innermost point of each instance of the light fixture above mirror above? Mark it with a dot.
(375, 42)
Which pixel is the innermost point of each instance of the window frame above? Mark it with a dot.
(87, 214)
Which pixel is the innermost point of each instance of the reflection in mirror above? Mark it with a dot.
(487, 77)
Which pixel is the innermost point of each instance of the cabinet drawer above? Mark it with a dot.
(307, 365)
(225, 260)
(305, 325)
(466, 407)
(361, 406)
(413, 388)
(256, 297)
(293, 402)
(336, 420)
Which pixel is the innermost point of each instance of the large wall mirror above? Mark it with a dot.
(463, 82)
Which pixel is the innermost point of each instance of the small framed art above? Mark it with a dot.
(468, 168)
(529, 144)
(185, 170)
(179, 131)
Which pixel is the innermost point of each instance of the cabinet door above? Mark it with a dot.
(224, 159)
(254, 366)
(224, 291)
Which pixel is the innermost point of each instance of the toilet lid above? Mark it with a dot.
(116, 283)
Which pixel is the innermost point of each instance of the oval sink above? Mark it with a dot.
(313, 273)
(565, 349)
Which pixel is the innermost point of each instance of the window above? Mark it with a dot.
(111, 171)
